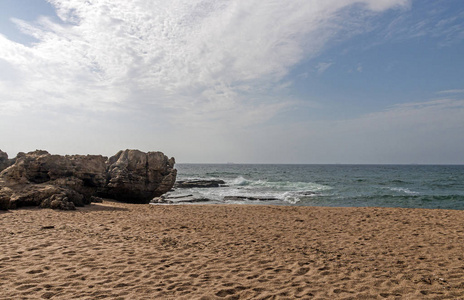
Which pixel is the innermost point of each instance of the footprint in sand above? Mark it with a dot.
(34, 271)
(47, 295)
(26, 287)
(228, 292)
(301, 271)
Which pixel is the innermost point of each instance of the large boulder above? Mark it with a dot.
(41, 179)
(138, 177)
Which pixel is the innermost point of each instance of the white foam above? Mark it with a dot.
(240, 181)
(279, 185)
(283, 191)
(404, 190)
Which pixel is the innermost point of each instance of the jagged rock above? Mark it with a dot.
(41, 179)
(45, 196)
(84, 174)
(135, 176)
(199, 183)
(189, 198)
(5, 195)
(178, 199)
(4, 161)
(59, 201)
(95, 199)
(160, 200)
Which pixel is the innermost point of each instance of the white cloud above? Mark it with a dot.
(323, 66)
(455, 91)
(202, 54)
(193, 64)
(442, 21)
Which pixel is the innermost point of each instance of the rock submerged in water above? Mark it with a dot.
(250, 198)
(186, 184)
(169, 199)
(41, 179)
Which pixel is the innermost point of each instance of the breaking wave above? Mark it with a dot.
(328, 185)
(241, 190)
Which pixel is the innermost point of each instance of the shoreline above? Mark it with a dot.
(137, 251)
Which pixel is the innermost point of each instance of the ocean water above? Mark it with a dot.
(413, 186)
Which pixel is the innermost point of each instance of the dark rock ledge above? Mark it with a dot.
(54, 181)
(186, 184)
(241, 198)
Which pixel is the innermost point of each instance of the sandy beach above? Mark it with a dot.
(126, 251)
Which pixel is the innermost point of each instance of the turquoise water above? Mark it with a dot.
(414, 186)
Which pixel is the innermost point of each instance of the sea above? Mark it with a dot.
(409, 186)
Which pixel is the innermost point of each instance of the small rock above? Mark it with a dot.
(194, 200)
(96, 199)
(160, 200)
(178, 197)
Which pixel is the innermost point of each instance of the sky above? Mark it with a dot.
(245, 81)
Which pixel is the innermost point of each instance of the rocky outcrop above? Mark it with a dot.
(185, 184)
(4, 161)
(135, 176)
(82, 173)
(41, 179)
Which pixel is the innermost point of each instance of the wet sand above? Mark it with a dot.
(125, 251)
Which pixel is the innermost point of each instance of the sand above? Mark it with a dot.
(123, 251)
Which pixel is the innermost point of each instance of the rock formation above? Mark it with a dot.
(41, 179)
(4, 161)
(135, 176)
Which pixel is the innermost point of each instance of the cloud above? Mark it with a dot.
(358, 68)
(442, 22)
(323, 66)
(455, 91)
(201, 72)
(199, 57)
